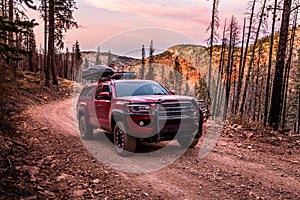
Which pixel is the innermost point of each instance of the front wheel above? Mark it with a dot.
(124, 143)
(86, 131)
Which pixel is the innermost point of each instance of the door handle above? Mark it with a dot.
(98, 106)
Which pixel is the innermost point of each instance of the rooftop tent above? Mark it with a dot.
(97, 72)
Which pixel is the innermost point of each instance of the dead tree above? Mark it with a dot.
(276, 101)
(287, 70)
(233, 33)
(220, 73)
(214, 24)
(252, 58)
(242, 66)
(270, 63)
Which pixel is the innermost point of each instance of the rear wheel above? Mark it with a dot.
(124, 143)
(187, 142)
(86, 131)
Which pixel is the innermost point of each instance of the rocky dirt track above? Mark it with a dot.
(58, 166)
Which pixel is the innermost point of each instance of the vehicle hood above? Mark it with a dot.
(157, 98)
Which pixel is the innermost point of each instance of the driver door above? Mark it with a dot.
(103, 106)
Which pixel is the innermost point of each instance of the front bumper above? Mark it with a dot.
(159, 129)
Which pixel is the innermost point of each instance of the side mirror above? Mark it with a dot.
(104, 95)
(172, 92)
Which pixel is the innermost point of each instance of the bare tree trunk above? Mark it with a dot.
(72, 63)
(287, 70)
(222, 90)
(221, 86)
(51, 45)
(229, 67)
(276, 101)
(214, 20)
(220, 74)
(256, 85)
(10, 33)
(241, 71)
(46, 67)
(252, 59)
(298, 130)
(260, 100)
(240, 82)
(11, 19)
(270, 64)
(67, 57)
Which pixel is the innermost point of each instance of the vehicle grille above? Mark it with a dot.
(176, 110)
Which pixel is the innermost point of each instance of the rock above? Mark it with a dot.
(235, 125)
(29, 198)
(249, 147)
(239, 144)
(146, 194)
(96, 181)
(48, 193)
(34, 171)
(44, 129)
(33, 179)
(248, 134)
(99, 192)
(39, 188)
(61, 177)
(78, 193)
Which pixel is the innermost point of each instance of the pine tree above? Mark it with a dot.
(109, 58)
(98, 59)
(142, 70)
(58, 18)
(151, 75)
(66, 63)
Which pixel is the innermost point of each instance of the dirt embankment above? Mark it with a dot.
(54, 164)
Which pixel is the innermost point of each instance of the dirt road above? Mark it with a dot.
(235, 168)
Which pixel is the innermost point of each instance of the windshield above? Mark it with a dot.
(139, 88)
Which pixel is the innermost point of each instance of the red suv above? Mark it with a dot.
(138, 110)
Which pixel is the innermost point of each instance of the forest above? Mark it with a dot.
(257, 66)
(253, 66)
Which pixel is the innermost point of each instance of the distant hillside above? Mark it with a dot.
(120, 62)
(178, 68)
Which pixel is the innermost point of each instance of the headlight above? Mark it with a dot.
(138, 108)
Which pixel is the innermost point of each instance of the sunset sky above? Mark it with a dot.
(124, 24)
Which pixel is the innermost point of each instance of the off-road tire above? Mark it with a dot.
(188, 142)
(86, 131)
(124, 143)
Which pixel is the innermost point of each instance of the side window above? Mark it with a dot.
(86, 92)
(106, 88)
(90, 93)
(98, 91)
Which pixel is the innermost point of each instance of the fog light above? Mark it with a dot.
(141, 123)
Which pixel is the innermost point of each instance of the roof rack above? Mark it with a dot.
(118, 76)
